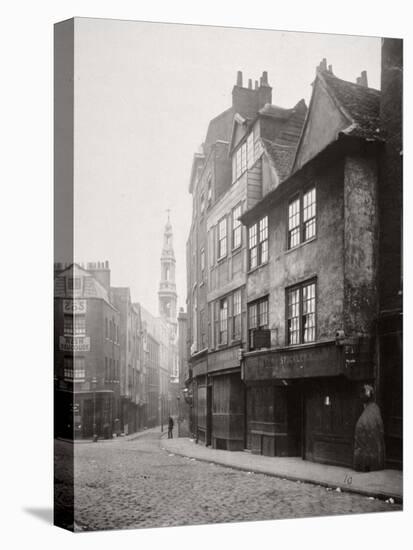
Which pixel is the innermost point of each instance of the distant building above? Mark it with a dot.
(185, 378)
(86, 352)
(132, 411)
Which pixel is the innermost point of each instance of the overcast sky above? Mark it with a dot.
(144, 94)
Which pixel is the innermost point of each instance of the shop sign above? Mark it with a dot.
(74, 306)
(74, 343)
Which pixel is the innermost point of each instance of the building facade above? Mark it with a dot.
(86, 352)
(248, 140)
(294, 269)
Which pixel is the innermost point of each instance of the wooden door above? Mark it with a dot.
(331, 411)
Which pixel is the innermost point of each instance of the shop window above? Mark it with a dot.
(301, 313)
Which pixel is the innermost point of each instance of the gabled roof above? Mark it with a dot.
(348, 109)
(359, 103)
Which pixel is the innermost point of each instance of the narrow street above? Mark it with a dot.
(134, 483)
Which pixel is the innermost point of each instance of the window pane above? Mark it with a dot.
(236, 227)
(263, 314)
(264, 252)
(252, 236)
(294, 223)
(264, 229)
(309, 213)
(223, 321)
(253, 257)
(293, 316)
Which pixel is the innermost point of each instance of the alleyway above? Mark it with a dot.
(134, 483)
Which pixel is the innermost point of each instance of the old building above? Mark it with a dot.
(313, 305)
(132, 409)
(184, 378)
(86, 352)
(249, 143)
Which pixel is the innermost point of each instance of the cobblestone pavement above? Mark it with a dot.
(134, 483)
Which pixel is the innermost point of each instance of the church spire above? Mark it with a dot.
(167, 286)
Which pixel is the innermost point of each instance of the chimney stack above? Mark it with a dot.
(362, 79)
(330, 69)
(256, 84)
(239, 79)
(323, 64)
(250, 84)
(264, 79)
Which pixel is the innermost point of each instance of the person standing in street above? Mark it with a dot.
(170, 427)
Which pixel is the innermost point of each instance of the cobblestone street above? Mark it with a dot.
(134, 483)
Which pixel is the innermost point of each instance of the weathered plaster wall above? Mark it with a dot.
(360, 213)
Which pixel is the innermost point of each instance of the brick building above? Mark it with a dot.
(86, 352)
(248, 140)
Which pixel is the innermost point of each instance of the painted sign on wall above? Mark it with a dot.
(74, 343)
(74, 306)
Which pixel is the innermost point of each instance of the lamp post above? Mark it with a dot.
(95, 435)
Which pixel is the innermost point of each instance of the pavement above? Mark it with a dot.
(384, 484)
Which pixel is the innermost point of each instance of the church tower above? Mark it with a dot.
(167, 287)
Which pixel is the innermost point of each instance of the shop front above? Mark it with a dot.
(305, 401)
(227, 398)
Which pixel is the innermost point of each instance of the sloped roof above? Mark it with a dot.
(275, 111)
(282, 157)
(91, 287)
(359, 103)
(220, 127)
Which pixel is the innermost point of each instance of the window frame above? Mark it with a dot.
(236, 318)
(223, 322)
(301, 227)
(222, 239)
(242, 159)
(260, 238)
(256, 304)
(301, 324)
(237, 227)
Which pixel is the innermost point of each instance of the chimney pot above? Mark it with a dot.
(264, 79)
(323, 64)
(256, 84)
(363, 79)
(330, 68)
(239, 78)
(249, 84)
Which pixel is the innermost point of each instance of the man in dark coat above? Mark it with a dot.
(170, 427)
(369, 452)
